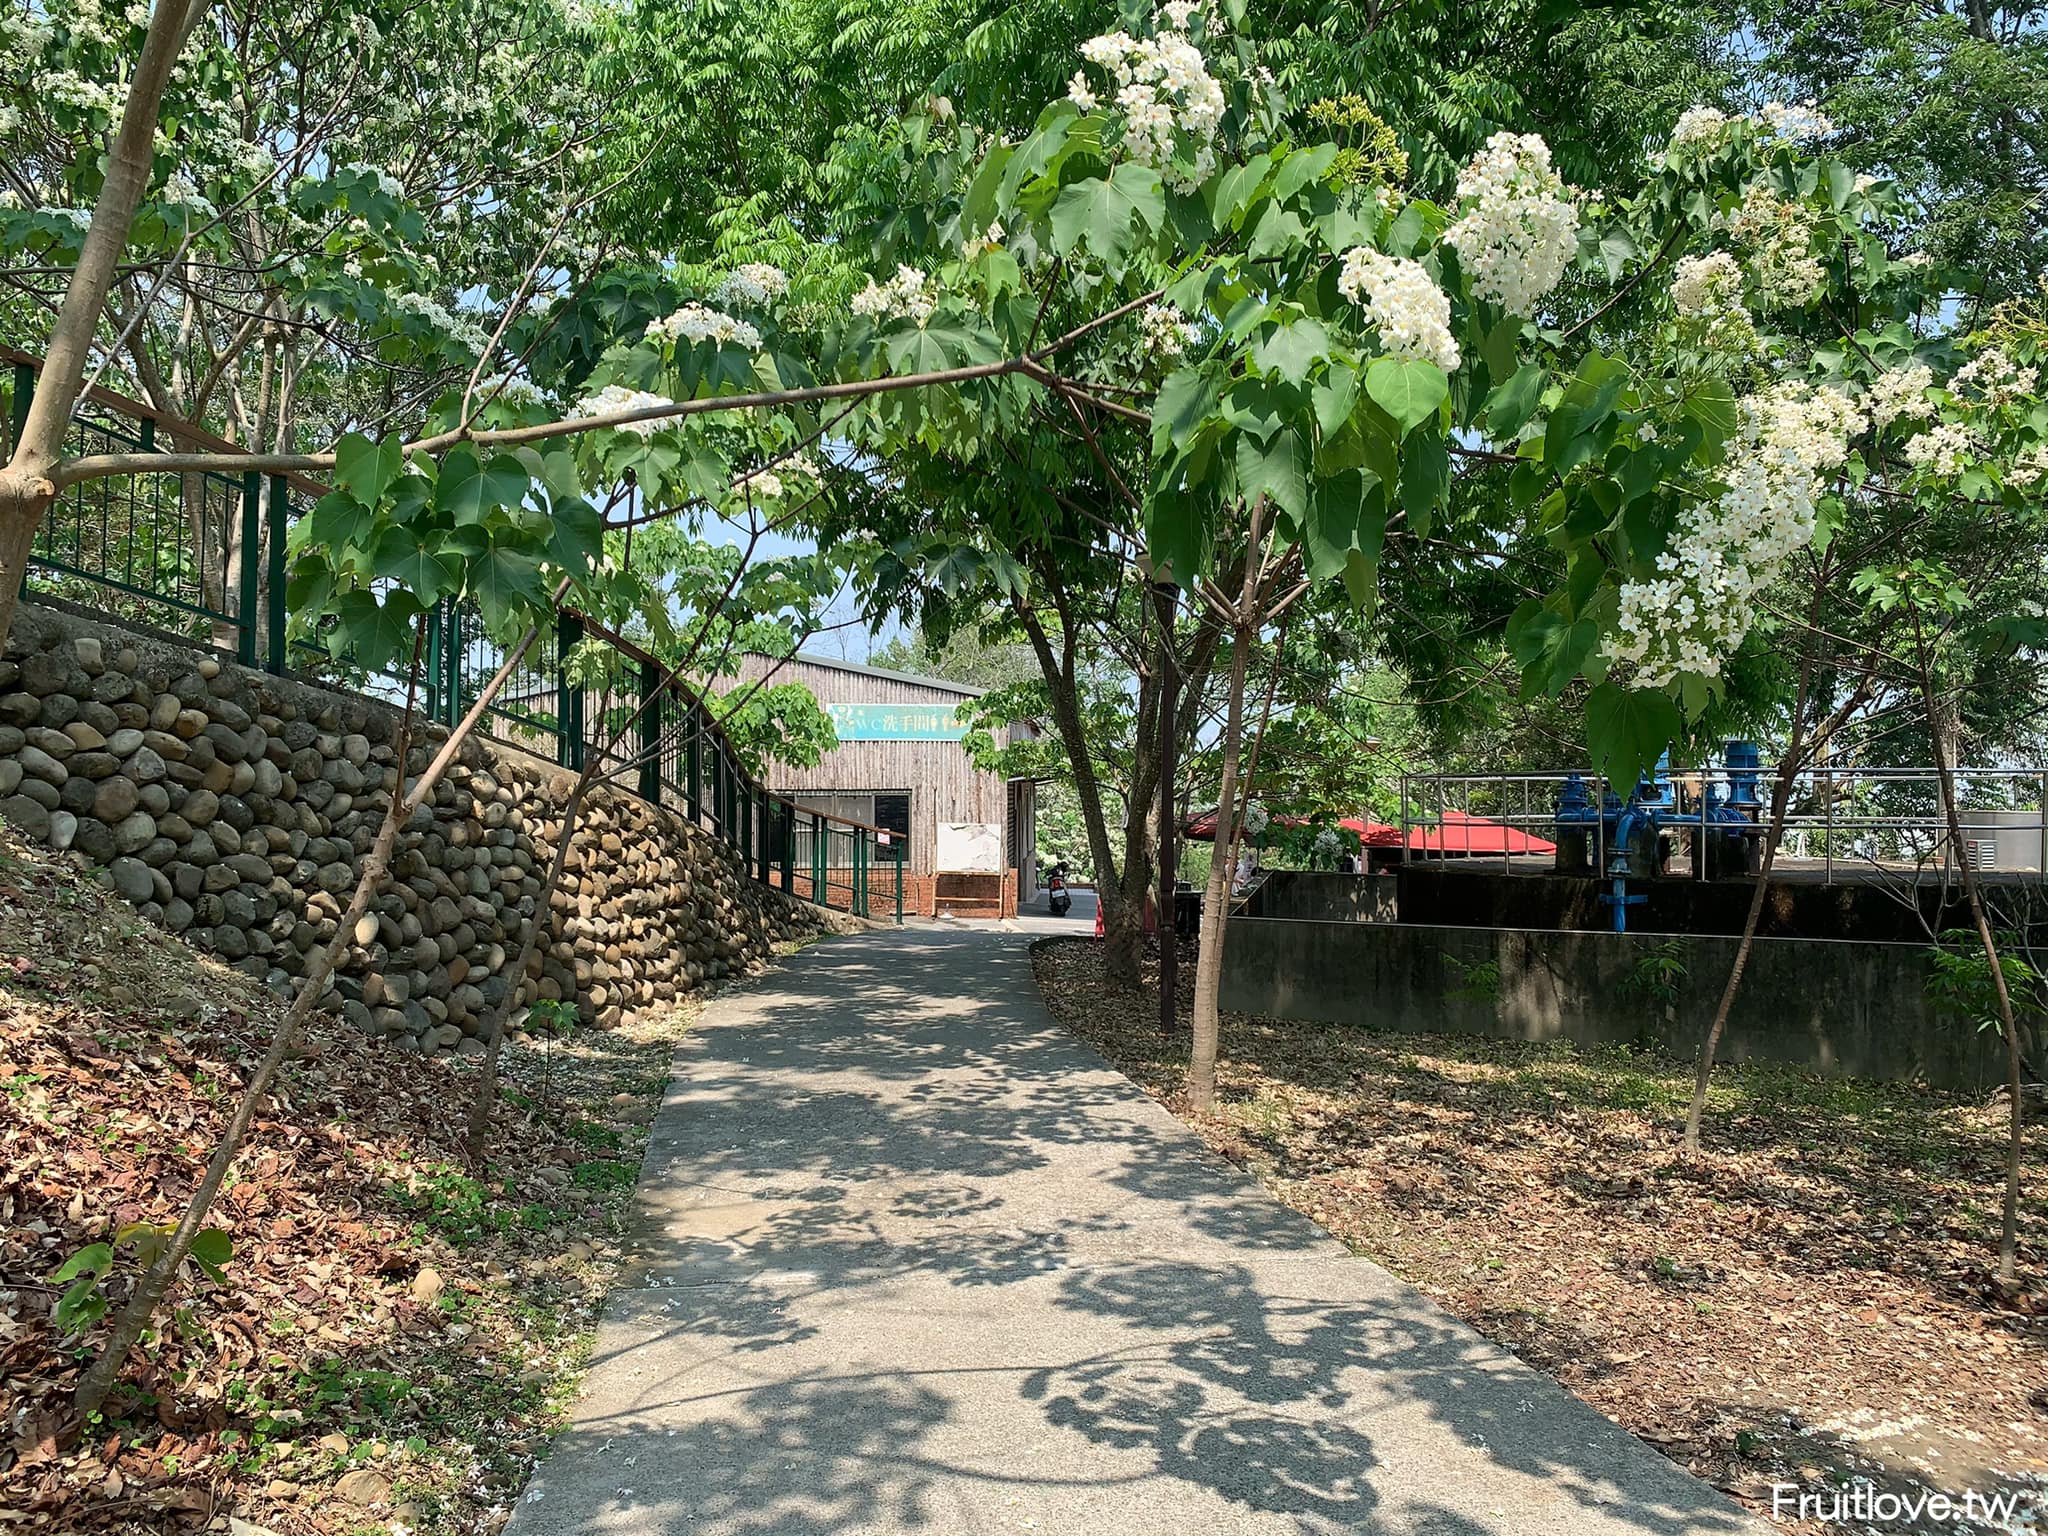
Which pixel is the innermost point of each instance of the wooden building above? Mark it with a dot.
(899, 766)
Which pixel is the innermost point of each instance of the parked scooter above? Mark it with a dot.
(1057, 896)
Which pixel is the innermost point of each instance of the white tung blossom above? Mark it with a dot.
(1699, 607)
(1411, 313)
(1162, 90)
(1703, 129)
(1163, 331)
(902, 297)
(1774, 232)
(1940, 450)
(990, 239)
(1900, 394)
(752, 285)
(387, 183)
(1520, 228)
(2029, 467)
(614, 398)
(1707, 293)
(695, 323)
(1995, 377)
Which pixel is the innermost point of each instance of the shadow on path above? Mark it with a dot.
(914, 1259)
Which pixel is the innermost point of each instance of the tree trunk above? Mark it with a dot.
(1208, 1018)
(1944, 773)
(476, 1142)
(1169, 942)
(1064, 693)
(1781, 799)
(135, 1314)
(25, 487)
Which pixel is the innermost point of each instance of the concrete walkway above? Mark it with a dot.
(915, 1260)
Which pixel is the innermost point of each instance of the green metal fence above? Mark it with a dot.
(201, 556)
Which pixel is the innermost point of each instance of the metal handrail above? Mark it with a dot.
(1837, 812)
(731, 805)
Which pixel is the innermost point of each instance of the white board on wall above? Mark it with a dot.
(970, 845)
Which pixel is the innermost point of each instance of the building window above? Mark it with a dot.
(892, 815)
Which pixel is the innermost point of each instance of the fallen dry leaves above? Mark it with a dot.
(1810, 1301)
(394, 1339)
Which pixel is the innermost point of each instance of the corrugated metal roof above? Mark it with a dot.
(833, 663)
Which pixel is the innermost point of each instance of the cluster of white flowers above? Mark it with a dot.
(1797, 122)
(2028, 468)
(80, 218)
(1703, 129)
(1328, 842)
(990, 239)
(1163, 88)
(464, 331)
(614, 398)
(387, 183)
(1411, 313)
(1698, 128)
(1700, 605)
(1707, 293)
(1520, 228)
(771, 484)
(512, 388)
(184, 191)
(69, 88)
(1900, 394)
(1774, 231)
(1256, 819)
(1995, 378)
(902, 297)
(695, 322)
(1163, 331)
(753, 284)
(1940, 450)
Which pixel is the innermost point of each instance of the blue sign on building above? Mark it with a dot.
(895, 722)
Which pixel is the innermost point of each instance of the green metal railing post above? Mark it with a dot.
(694, 776)
(435, 625)
(820, 893)
(650, 730)
(24, 395)
(568, 697)
(280, 525)
(245, 606)
(859, 839)
(743, 813)
(451, 657)
(789, 846)
(899, 888)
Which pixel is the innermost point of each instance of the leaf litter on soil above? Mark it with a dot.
(1810, 1302)
(396, 1334)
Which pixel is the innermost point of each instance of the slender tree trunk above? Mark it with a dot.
(1944, 773)
(136, 1312)
(26, 490)
(1169, 942)
(1781, 800)
(1208, 1017)
(476, 1141)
